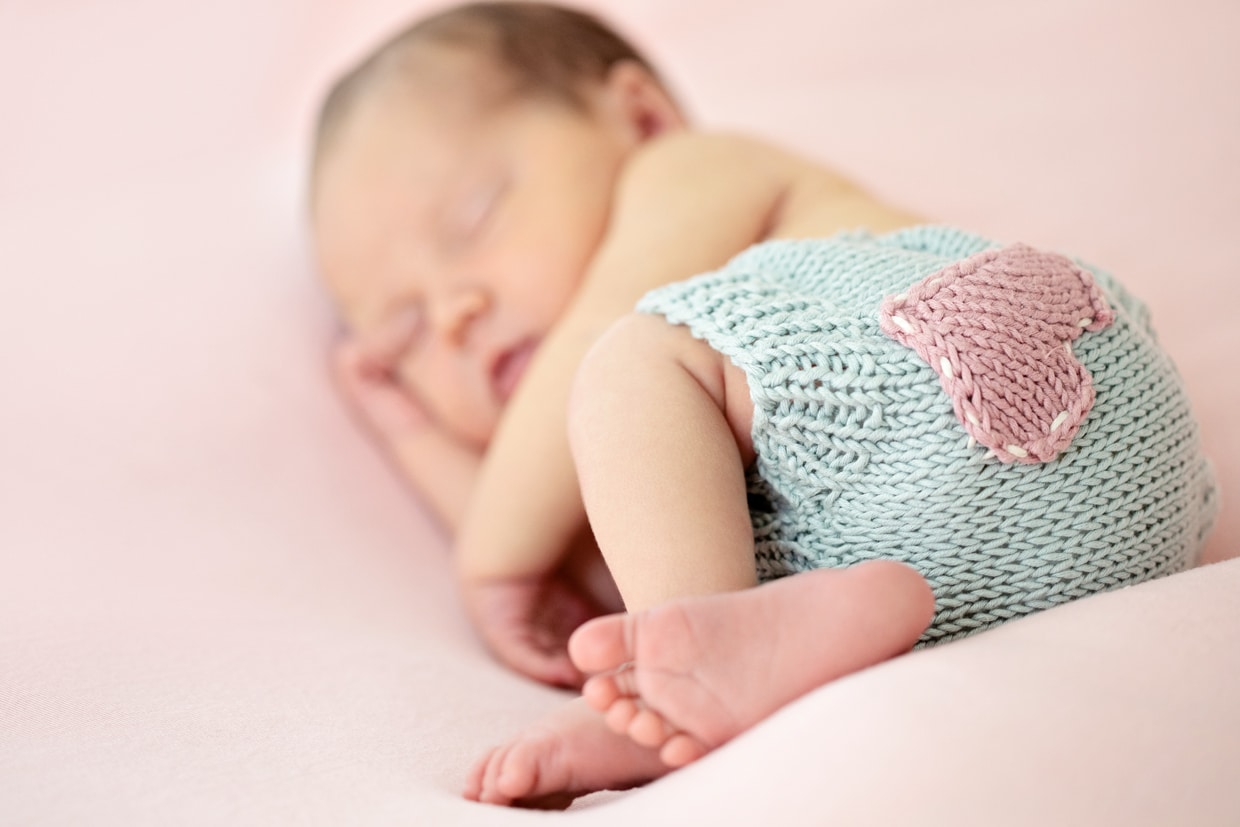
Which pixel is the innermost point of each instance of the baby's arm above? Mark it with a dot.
(530, 618)
(686, 204)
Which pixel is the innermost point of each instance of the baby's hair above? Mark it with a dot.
(547, 50)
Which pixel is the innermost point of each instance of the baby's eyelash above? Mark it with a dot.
(481, 207)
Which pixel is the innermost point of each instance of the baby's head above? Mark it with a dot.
(465, 173)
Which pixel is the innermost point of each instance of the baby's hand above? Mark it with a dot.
(526, 622)
(365, 367)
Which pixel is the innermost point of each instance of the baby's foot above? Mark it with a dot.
(688, 676)
(570, 753)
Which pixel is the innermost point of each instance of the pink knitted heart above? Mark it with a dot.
(997, 327)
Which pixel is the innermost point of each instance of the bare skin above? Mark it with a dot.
(479, 248)
(478, 251)
(660, 426)
(546, 768)
(680, 680)
(689, 676)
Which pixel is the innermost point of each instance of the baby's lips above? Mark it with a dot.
(509, 367)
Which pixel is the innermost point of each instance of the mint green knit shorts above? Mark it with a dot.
(869, 449)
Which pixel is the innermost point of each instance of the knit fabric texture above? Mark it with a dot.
(998, 329)
(862, 454)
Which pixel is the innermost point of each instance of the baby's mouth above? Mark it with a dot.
(510, 367)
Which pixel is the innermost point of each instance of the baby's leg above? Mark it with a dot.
(654, 445)
(660, 434)
(659, 426)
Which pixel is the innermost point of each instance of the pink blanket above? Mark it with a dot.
(219, 605)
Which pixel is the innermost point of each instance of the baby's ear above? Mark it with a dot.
(640, 101)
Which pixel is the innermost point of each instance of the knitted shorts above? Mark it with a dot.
(999, 418)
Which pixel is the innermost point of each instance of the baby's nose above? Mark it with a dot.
(455, 312)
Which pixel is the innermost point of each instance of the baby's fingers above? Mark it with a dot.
(525, 656)
(385, 404)
(377, 352)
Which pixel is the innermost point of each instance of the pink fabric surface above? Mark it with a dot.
(220, 606)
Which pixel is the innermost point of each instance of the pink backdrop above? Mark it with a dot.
(217, 603)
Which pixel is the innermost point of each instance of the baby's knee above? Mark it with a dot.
(630, 341)
(615, 368)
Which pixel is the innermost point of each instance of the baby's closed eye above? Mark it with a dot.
(476, 211)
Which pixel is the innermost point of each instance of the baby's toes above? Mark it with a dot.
(649, 728)
(473, 781)
(620, 715)
(497, 763)
(600, 692)
(601, 644)
(476, 783)
(518, 777)
(534, 769)
(681, 749)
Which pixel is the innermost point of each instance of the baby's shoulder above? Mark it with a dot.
(688, 144)
(684, 155)
(689, 157)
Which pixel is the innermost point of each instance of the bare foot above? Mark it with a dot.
(570, 753)
(690, 675)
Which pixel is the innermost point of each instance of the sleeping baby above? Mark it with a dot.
(710, 425)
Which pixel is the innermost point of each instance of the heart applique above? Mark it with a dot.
(998, 329)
